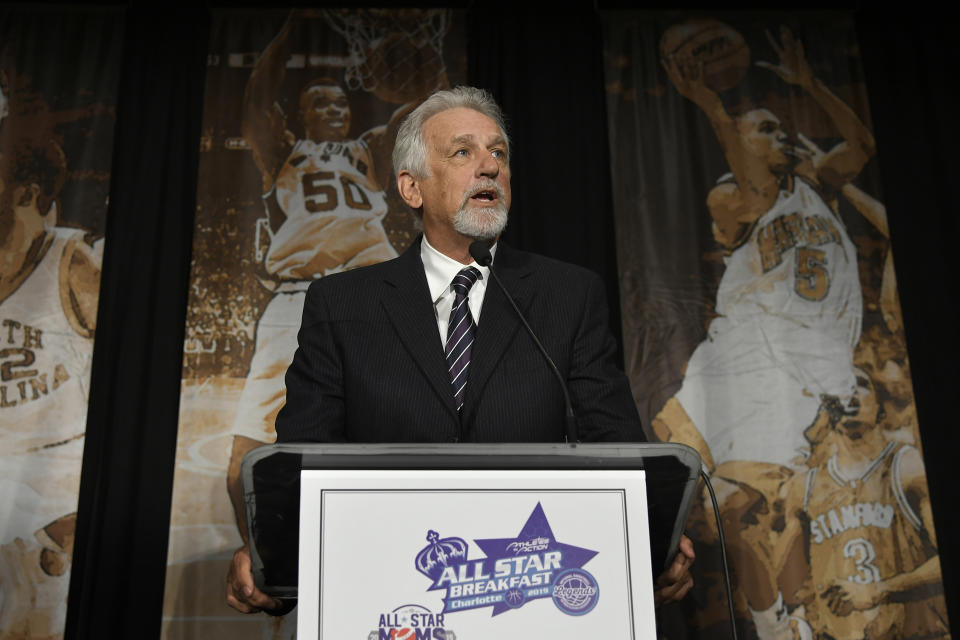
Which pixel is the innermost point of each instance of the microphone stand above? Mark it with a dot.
(481, 253)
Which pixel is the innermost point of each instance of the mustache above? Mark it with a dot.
(486, 184)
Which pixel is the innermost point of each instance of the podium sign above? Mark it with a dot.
(467, 554)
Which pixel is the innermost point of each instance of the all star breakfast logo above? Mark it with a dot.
(515, 571)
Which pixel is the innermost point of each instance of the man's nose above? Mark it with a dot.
(488, 167)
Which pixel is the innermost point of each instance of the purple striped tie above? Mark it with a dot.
(460, 333)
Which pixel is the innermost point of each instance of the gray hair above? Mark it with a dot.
(410, 150)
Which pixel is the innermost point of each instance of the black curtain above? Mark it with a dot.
(116, 586)
(911, 69)
(546, 70)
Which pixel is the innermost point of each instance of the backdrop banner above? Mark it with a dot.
(301, 112)
(58, 82)
(761, 319)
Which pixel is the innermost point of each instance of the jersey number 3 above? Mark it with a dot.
(863, 554)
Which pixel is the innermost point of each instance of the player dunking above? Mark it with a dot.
(860, 533)
(324, 203)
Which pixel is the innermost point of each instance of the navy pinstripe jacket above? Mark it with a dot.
(370, 364)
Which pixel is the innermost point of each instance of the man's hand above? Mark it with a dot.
(674, 583)
(242, 593)
(793, 67)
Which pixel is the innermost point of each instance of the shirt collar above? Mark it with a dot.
(441, 269)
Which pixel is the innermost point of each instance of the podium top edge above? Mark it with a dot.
(482, 455)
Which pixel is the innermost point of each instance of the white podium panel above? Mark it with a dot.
(461, 555)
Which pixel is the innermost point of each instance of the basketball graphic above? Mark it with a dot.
(719, 47)
(575, 592)
(399, 54)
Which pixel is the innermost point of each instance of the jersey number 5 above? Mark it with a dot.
(811, 279)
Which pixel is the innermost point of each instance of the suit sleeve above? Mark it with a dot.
(314, 405)
(599, 389)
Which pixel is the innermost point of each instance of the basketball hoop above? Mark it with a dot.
(396, 54)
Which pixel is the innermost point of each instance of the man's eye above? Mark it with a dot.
(461, 152)
(499, 154)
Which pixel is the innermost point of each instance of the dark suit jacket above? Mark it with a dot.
(370, 364)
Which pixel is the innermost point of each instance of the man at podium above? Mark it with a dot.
(424, 348)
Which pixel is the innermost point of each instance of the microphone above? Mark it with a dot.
(481, 253)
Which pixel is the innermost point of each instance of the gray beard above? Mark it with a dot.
(481, 223)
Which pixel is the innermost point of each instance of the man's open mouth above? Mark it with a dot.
(487, 195)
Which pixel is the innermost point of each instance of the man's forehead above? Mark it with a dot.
(462, 125)
(469, 138)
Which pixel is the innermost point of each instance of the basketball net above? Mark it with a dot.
(400, 30)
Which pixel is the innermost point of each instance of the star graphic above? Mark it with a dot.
(572, 557)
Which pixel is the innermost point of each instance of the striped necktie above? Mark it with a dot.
(460, 333)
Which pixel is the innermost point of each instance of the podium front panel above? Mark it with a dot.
(447, 554)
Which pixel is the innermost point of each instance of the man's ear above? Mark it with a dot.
(409, 188)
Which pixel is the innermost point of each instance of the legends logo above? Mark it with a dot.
(515, 571)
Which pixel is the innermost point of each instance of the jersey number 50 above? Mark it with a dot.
(320, 192)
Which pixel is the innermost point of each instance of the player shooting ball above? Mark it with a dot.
(790, 302)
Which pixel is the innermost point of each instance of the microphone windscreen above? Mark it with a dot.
(481, 253)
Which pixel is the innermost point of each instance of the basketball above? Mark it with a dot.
(719, 47)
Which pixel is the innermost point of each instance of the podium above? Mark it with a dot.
(446, 541)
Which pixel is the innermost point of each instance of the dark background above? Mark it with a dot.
(546, 70)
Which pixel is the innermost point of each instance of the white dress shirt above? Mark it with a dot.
(440, 271)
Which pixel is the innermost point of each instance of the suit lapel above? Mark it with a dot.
(406, 300)
(498, 325)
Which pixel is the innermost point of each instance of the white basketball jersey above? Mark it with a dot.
(330, 178)
(44, 382)
(797, 264)
(332, 209)
(863, 530)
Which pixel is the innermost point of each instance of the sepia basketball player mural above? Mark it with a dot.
(56, 130)
(300, 115)
(762, 324)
